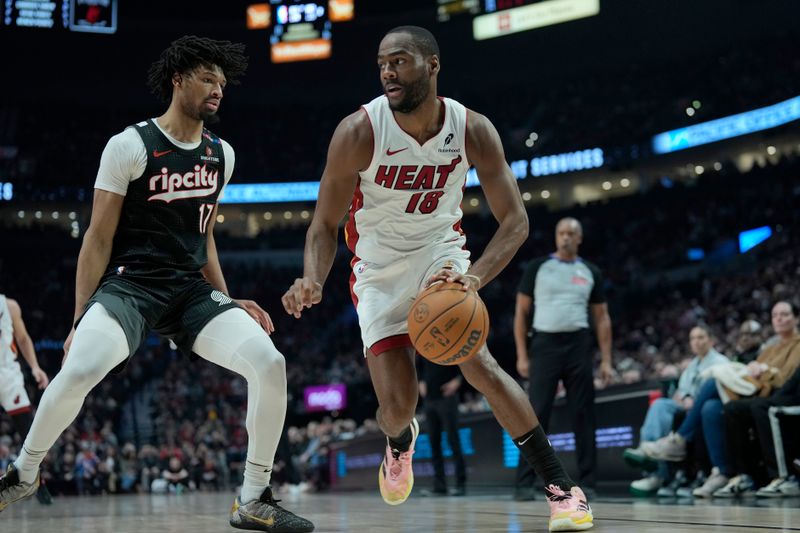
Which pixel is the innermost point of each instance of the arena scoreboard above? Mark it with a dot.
(302, 31)
(94, 16)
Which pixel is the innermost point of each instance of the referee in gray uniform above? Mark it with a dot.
(564, 288)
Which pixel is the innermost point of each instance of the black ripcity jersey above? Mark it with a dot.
(167, 209)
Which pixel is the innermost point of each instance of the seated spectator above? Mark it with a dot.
(660, 415)
(770, 370)
(748, 342)
(752, 413)
(176, 476)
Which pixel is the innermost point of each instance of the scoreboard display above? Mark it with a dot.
(301, 31)
(94, 16)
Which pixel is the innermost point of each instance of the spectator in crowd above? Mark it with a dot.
(746, 414)
(770, 370)
(176, 476)
(748, 343)
(660, 416)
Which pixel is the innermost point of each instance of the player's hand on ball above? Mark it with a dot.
(303, 293)
(468, 281)
(258, 314)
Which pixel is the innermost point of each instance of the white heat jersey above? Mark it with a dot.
(410, 196)
(8, 350)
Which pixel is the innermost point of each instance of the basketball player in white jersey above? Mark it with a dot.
(400, 162)
(14, 399)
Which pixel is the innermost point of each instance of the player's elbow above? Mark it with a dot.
(519, 226)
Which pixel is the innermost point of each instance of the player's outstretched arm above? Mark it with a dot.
(349, 152)
(485, 152)
(25, 344)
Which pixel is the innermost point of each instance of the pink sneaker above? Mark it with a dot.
(396, 477)
(568, 511)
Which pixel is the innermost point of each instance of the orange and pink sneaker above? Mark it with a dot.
(396, 477)
(569, 511)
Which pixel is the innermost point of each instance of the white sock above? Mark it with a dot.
(27, 464)
(256, 479)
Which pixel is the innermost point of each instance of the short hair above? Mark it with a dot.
(705, 327)
(422, 39)
(571, 220)
(188, 53)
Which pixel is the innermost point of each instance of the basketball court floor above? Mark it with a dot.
(365, 512)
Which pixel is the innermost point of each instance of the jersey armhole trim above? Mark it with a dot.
(372, 135)
(466, 128)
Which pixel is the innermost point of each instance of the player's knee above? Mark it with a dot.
(482, 370)
(264, 358)
(81, 377)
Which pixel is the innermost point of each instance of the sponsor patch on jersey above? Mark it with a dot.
(176, 186)
(578, 279)
(221, 298)
(209, 156)
(445, 150)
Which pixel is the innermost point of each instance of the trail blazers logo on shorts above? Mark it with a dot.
(221, 298)
(176, 186)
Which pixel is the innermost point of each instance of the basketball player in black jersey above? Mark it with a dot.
(149, 261)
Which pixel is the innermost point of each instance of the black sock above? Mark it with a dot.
(536, 449)
(402, 442)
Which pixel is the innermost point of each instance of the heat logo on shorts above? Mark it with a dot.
(176, 186)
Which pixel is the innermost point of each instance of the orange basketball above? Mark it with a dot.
(448, 325)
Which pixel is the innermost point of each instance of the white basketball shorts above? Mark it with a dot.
(13, 396)
(383, 294)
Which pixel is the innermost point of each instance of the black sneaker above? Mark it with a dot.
(43, 495)
(13, 490)
(264, 514)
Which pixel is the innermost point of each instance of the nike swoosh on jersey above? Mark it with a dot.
(390, 152)
(156, 153)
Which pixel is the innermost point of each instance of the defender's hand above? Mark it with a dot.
(258, 314)
(303, 293)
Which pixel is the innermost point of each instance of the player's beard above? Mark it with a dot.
(415, 93)
(209, 117)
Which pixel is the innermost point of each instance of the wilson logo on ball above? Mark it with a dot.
(474, 336)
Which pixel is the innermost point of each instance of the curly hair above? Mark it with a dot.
(188, 53)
